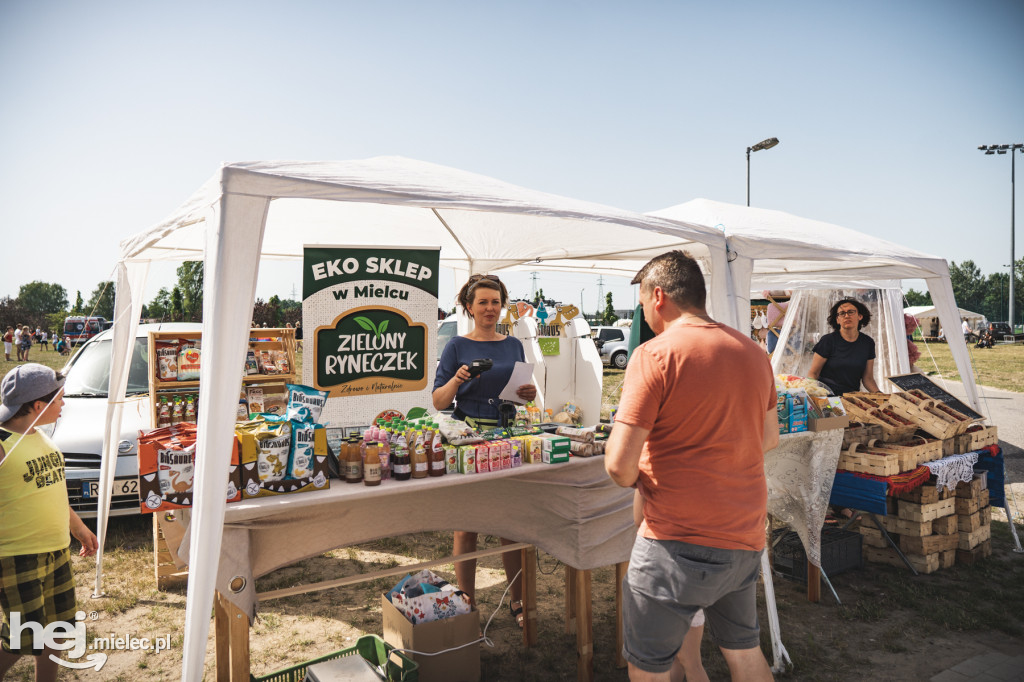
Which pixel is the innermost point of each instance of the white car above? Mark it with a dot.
(613, 345)
(79, 431)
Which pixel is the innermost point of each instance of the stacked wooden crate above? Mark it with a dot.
(973, 515)
(925, 527)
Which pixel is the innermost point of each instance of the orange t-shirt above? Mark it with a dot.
(703, 390)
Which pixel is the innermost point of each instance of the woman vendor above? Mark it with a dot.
(846, 358)
(483, 298)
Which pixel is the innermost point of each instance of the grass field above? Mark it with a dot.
(998, 367)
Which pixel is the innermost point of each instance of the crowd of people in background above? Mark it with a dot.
(20, 339)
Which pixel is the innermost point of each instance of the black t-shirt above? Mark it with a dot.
(844, 361)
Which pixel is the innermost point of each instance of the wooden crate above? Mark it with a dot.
(879, 464)
(905, 527)
(872, 537)
(970, 540)
(946, 525)
(950, 446)
(917, 407)
(965, 506)
(912, 511)
(972, 556)
(928, 544)
(922, 564)
(971, 489)
(926, 494)
(972, 522)
(976, 437)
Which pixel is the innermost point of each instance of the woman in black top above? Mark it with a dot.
(846, 358)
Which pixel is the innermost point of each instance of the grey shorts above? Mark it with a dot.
(669, 581)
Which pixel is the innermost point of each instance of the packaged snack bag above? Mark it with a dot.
(267, 365)
(251, 367)
(300, 460)
(188, 360)
(274, 440)
(177, 469)
(281, 362)
(305, 403)
(167, 360)
(254, 395)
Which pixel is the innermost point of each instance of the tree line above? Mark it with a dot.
(988, 295)
(45, 305)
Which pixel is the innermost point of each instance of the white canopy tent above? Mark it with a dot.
(776, 250)
(251, 211)
(926, 313)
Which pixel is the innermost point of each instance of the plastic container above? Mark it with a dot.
(371, 647)
(840, 552)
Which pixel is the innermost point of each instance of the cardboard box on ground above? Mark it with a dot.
(461, 665)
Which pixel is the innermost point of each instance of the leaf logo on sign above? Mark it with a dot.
(367, 324)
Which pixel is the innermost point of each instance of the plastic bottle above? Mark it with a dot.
(163, 417)
(384, 452)
(354, 464)
(437, 465)
(372, 466)
(190, 410)
(402, 467)
(420, 463)
(177, 411)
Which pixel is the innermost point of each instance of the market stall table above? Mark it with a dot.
(572, 511)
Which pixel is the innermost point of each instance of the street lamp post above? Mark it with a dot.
(1003, 149)
(763, 144)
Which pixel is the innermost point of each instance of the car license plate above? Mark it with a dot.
(123, 487)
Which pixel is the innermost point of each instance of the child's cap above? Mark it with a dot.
(26, 383)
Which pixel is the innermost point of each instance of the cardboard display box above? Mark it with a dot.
(151, 499)
(828, 423)
(462, 665)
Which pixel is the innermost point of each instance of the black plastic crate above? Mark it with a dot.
(840, 552)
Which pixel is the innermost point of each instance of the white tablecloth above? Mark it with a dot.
(572, 511)
(800, 472)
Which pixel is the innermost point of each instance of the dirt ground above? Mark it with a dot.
(890, 626)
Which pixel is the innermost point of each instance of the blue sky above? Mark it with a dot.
(112, 113)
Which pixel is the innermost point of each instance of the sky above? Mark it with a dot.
(113, 113)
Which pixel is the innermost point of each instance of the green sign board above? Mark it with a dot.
(549, 345)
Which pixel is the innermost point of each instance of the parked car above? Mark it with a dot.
(999, 330)
(613, 345)
(447, 329)
(79, 431)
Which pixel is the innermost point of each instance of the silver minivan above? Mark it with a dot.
(613, 345)
(79, 431)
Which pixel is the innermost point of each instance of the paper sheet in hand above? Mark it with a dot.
(522, 374)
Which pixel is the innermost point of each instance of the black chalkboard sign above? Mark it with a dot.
(909, 382)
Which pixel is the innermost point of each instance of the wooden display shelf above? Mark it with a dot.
(278, 339)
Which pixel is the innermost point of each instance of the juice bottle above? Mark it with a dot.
(342, 455)
(190, 410)
(384, 452)
(402, 467)
(177, 411)
(372, 468)
(420, 464)
(362, 445)
(163, 417)
(437, 465)
(354, 464)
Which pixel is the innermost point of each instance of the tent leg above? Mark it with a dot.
(231, 625)
(1013, 528)
(620, 631)
(896, 547)
(781, 656)
(831, 589)
(529, 578)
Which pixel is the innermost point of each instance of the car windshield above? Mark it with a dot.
(89, 374)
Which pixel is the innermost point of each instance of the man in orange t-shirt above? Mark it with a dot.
(696, 415)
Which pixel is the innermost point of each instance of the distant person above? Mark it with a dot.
(985, 340)
(25, 345)
(17, 341)
(44, 340)
(8, 342)
(966, 329)
(298, 336)
(935, 327)
(845, 359)
(36, 579)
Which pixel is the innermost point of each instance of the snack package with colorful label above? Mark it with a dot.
(188, 360)
(167, 360)
(305, 404)
(274, 440)
(300, 460)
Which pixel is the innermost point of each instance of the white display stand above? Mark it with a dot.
(525, 329)
(575, 374)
